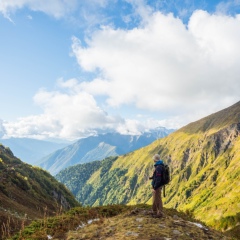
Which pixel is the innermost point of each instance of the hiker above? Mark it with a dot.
(157, 205)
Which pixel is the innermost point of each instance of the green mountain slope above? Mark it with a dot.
(204, 158)
(216, 121)
(27, 193)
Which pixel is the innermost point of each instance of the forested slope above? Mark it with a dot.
(28, 192)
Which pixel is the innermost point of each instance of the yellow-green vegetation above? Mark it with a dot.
(118, 222)
(204, 160)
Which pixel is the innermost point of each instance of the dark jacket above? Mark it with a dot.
(157, 175)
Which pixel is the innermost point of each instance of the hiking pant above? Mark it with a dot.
(157, 205)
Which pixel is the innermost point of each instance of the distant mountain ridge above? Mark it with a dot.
(97, 148)
(204, 160)
(31, 150)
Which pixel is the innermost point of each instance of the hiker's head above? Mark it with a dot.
(156, 157)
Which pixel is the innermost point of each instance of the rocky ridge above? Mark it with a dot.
(139, 224)
(119, 222)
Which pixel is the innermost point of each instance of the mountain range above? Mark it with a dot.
(98, 147)
(34, 204)
(204, 161)
(31, 150)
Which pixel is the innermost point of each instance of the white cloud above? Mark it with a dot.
(161, 66)
(167, 66)
(68, 113)
(56, 8)
(130, 126)
(71, 113)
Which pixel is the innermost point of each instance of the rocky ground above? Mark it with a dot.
(139, 224)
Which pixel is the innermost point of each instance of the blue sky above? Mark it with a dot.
(73, 68)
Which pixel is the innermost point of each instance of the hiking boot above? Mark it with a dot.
(158, 215)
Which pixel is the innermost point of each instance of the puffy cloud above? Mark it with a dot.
(68, 113)
(78, 109)
(131, 126)
(165, 65)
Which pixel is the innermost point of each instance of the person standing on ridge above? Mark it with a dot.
(157, 205)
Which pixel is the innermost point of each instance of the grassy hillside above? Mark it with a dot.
(204, 159)
(118, 222)
(27, 193)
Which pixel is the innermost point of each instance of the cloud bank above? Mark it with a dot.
(166, 65)
(162, 66)
(67, 113)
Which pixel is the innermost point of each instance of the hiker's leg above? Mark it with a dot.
(154, 203)
(159, 201)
